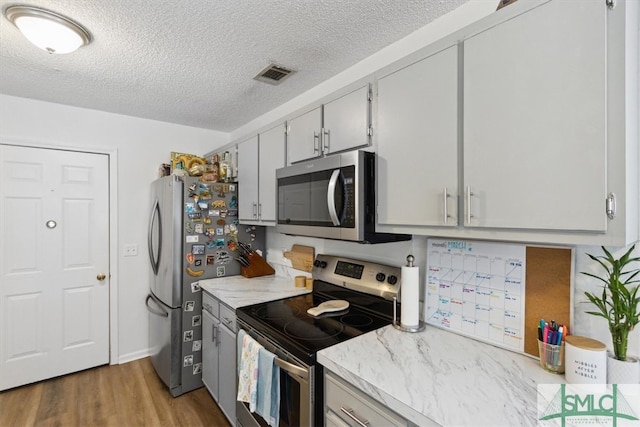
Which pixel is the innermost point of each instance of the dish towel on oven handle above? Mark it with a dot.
(268, 406)
(248, 370)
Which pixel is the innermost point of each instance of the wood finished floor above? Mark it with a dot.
(120, 395)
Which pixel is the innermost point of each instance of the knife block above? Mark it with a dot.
(257, 267)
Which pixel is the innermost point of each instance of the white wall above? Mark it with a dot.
(142, 145)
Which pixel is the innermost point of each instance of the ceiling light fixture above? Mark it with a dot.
(48, 30)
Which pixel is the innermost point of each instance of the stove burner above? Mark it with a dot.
(356, 320)
(323, 329)
(279, 311)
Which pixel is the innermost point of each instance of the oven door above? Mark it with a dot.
(296, 388)
(318, 198)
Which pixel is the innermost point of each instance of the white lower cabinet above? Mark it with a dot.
(219, 354)
(347, 406)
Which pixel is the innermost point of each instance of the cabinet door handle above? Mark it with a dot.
(316, 142)
(226, 320)
(349, 413)
(325, 141)
(445, 196)
(214, 337)
(259, 210)
(468, 195)
(255, 210)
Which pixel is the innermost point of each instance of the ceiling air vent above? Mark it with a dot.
(273, 74)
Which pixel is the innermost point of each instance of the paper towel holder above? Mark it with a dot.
(396, 322)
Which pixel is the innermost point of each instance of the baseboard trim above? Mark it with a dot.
(130, 357)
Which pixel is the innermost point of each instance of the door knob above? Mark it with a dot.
(101, 277)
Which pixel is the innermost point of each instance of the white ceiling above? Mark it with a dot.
(192, 62)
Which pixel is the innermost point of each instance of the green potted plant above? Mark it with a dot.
(619, 303)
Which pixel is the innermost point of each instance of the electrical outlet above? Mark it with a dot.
(131, 250)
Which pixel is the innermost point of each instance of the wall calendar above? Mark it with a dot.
(477, 289)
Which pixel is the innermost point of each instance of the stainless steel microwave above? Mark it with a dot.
(333, 197)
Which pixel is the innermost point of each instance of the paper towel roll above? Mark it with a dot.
(410, 296)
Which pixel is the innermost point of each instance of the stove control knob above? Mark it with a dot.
(380, 277)
(392, 279)
(318, 263)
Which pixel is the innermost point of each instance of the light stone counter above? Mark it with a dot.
(239, 291)
(438, 376)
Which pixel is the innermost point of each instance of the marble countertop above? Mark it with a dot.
(239, 291)
(439, 376)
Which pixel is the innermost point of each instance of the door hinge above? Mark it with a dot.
(611, 205)
(610, 3)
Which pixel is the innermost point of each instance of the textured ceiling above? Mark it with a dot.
(193, 61)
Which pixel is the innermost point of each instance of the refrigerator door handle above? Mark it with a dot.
(160, 312)
(155, 216)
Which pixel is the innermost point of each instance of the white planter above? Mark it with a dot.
(623, 371)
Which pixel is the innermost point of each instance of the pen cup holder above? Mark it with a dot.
(551, 357)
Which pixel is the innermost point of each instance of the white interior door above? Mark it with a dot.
(54, 252)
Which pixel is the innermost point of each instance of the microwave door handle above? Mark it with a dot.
(331, 201)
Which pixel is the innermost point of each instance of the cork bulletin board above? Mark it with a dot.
(548, 293)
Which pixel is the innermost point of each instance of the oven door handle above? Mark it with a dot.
(292, 369)
(331, 201)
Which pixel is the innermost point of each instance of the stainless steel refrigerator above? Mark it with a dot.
(193, 234)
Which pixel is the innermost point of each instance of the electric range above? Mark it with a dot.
(286, 329)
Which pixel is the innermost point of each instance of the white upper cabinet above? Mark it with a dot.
(338, 125)
(535, 142)
(271, 155)
(248, 180)
(346, 121)
(258, 159)
(303, 136)
(417, 143)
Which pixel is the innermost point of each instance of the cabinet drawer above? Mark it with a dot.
(210, 304)
(350, 404)
(228, 317)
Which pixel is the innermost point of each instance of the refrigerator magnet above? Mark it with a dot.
(196, 198)
(188, 336)
(193, 239)
(198, 263)
(220, 271)
(195, 287)
(189, 305)
(197, 345)
(190, 258)
(190, 207)
(211, 244)
(219, 203)
(223, 213)
(234, 202)
(220, 231)
(197, 368)
(196, 216)
(232, 245)
(196, 320)
(232, 212)
(199, 228)
(188, 361)
(221, 221)
(232, 188)
(222, 256)
(192, 187)
(210, 260)
(206, 219)
(197, 249)
(220, 243)
(227, 229)
(203, 205)
(214, 212)
(194, 273)
(188, 227)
